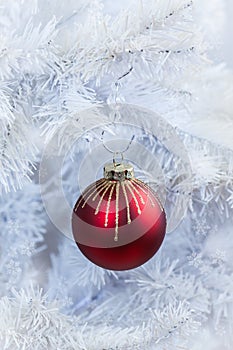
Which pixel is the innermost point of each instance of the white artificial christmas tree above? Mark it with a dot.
(61, 66)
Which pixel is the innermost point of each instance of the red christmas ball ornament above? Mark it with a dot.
(118, 222)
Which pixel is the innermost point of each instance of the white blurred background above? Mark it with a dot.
(228, 35)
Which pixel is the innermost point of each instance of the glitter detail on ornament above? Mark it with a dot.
(108, 205)
(118, 222)
(103, 187)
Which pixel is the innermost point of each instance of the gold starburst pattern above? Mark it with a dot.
(105, 188)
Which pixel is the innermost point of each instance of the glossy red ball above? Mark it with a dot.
(118, 225)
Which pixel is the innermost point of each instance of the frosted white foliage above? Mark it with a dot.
(168, 326)
(16, 162)
(149, 42)
(24, 42)
(22, 235)
(60, 62)
(176, 322)
(29, 321)
(230, 199)
(126, 37)
(82, 273)
(170, 284)
(23, 52)
(207, 167)
(65, 109)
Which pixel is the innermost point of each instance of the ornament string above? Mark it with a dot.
(116, 153)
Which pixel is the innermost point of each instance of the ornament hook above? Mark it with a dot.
(115, 154)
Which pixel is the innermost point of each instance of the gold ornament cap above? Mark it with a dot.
(118, 171)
